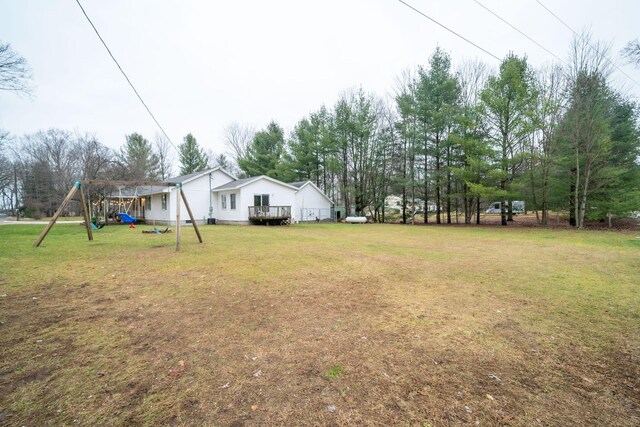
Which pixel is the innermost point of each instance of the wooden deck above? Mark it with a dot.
(271, 215)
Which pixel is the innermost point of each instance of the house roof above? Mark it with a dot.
(190, 177)
(143, 191)
(301, 184)
(239, 183)
(133, 192)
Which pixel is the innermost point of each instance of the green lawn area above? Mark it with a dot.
(320, 324)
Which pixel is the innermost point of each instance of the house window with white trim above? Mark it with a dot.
(261, 200)
(164, 201)
(147, 202)
(232, 201)
(223, 201)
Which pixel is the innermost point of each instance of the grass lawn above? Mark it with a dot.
(320, 324)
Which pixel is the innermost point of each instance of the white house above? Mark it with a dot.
(263, 199)
(160, 202)
(256, 199)
(216, 193)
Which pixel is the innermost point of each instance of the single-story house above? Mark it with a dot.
(217, 194)
(262, 199)
(160, 202)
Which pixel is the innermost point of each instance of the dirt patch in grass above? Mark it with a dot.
(324, 324)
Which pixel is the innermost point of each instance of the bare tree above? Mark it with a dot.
(15, 73)
(237, 138)
(93, 158)
(545, 120)
(6, 176)
(632, 52)
(48, 166)
(472, 75)
(221, 161)
(164, 152)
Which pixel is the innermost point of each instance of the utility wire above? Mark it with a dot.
(586, 41)
(448, 29)
(518, 30)
(125, 76)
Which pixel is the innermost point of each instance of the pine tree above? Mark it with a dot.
(265, 154)
(438, 96)
(192, 156)
(507, 99)
(137, 159)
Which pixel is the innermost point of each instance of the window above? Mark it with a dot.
(147, 202)
(261, 200)
(232, 201)
(164, 201)
(223, 200)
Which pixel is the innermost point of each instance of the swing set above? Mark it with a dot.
(78, 187)
(124, 214)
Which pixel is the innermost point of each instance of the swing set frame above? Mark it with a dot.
(78, 187)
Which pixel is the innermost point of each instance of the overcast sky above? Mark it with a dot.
(201, 65)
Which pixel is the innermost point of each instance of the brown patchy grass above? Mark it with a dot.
(428, 326)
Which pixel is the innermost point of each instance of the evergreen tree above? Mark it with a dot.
(585, 133)
(192, 156)
(507, 99)
(306, 151)
(438, 96)
(265, 154)
(615, 180)
(406, 146)
(474, 169)
(137, 160)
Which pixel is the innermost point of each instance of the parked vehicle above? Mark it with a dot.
(517, 206)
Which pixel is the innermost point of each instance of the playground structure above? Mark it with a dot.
(125, 217)
(109, 209)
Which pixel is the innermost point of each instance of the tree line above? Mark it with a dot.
(448, 140)
(38, 170)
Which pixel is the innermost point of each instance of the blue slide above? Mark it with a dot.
(126, 218)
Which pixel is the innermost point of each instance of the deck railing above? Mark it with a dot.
(269, 212)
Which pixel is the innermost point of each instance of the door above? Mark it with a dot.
(261, 200)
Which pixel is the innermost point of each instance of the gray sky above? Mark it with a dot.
(201, 65)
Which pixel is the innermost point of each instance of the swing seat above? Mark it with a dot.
(155, 230)
(126, 218)
(97, 227)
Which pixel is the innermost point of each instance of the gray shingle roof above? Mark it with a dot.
(183, 178)
(236, 184)
(298, 184)
(129, 192)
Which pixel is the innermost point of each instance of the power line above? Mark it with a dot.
(518, 30)
(586, 41)
(448, 29)
(125, 76)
